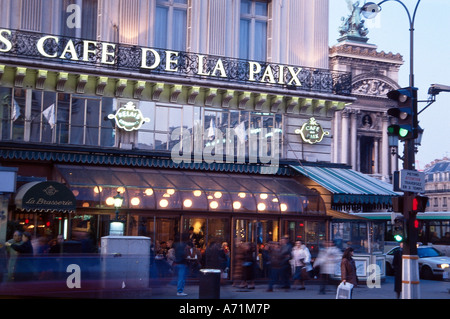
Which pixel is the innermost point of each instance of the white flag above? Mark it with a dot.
(49, 114)
(211, 132)
(15, 111)
(240, 132)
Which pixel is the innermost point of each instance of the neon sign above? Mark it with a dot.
(312, 132)
(128, 117)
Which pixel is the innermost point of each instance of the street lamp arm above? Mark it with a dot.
(411, 19)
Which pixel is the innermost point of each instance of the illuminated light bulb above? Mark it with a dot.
(121, 189)
(242, 195)
(164, 203)
(135, 201)
(110, 201)
(237, 205)
(214, 204)
(97, 189)
(187, 203)
(217, 194)
(283, 207)
(197, 193)
(170, 191)
(148, 192)
(261, 206)
(263, 196)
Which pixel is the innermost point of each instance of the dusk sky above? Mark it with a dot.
(390, 32)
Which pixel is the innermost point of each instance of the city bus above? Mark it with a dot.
(434, 229)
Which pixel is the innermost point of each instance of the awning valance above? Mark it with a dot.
(336, 215)
(349, 186)
(155, 189)
(46, 196)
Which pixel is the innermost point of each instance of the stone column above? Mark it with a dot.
(385, 154)
(354, 133)
(344, 139)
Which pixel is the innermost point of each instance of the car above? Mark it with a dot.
(432, 262)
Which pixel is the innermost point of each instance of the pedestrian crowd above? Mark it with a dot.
(24, 259)
(287, 265)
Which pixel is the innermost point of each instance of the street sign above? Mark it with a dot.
(409, 181)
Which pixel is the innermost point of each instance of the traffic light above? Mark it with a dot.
(399, 229)
(397, 204)
(419, 204)
(405, 112)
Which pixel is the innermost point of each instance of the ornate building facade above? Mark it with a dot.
(437, 185)
(360, 136)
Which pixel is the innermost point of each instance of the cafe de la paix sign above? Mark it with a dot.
(25, 44)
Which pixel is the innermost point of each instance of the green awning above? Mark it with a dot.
(186, 190)
(349, 186)
(46, 196)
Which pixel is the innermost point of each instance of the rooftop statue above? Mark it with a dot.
(352, 27)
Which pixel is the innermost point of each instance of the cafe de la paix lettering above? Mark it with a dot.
(104, 53)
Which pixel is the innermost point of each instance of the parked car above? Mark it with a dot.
(432, 262)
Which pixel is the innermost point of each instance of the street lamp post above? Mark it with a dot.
(410, 277)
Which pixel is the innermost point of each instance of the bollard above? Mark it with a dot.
(209, 287)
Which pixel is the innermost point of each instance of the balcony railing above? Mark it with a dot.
(122, 57)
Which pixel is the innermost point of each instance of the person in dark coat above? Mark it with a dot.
(285, 271)
(397, 265)
(24, 265)
(348, 268)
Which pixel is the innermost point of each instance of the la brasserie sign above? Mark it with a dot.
(168, 61)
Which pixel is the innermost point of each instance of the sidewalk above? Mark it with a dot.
(430, 289)
(90, 290)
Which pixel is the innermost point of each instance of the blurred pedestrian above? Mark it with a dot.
(181, 252)
(24, 268)
(326, 262)
(301, 259)
(13, 254)
(194, 259)
(225, 253)
(285, 254)
(397, 265)
(237, 263)
(348, 268)
(274, 263)
(248, 266)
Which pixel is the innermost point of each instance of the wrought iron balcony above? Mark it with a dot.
(61, 50)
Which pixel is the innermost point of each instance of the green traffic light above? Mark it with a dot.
(398, 238)
(403, 132)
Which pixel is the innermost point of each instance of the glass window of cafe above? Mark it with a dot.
(363, 236)
(37, 116)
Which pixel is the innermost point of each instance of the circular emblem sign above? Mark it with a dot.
(312, 132)
(128, 117)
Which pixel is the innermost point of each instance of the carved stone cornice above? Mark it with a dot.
(368, 52)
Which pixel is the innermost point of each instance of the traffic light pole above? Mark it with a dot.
(410, 264)
(410, 277)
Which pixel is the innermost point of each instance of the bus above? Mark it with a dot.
(434, 229)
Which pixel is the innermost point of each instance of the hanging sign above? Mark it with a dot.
(128, 117)
(312, 132)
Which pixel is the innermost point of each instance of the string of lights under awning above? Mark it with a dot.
(154, 189)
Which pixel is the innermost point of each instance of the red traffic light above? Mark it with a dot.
(419, 204)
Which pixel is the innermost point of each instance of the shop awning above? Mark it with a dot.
(349, 186)
(159, 189)
(336, 215)
(46, 196)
